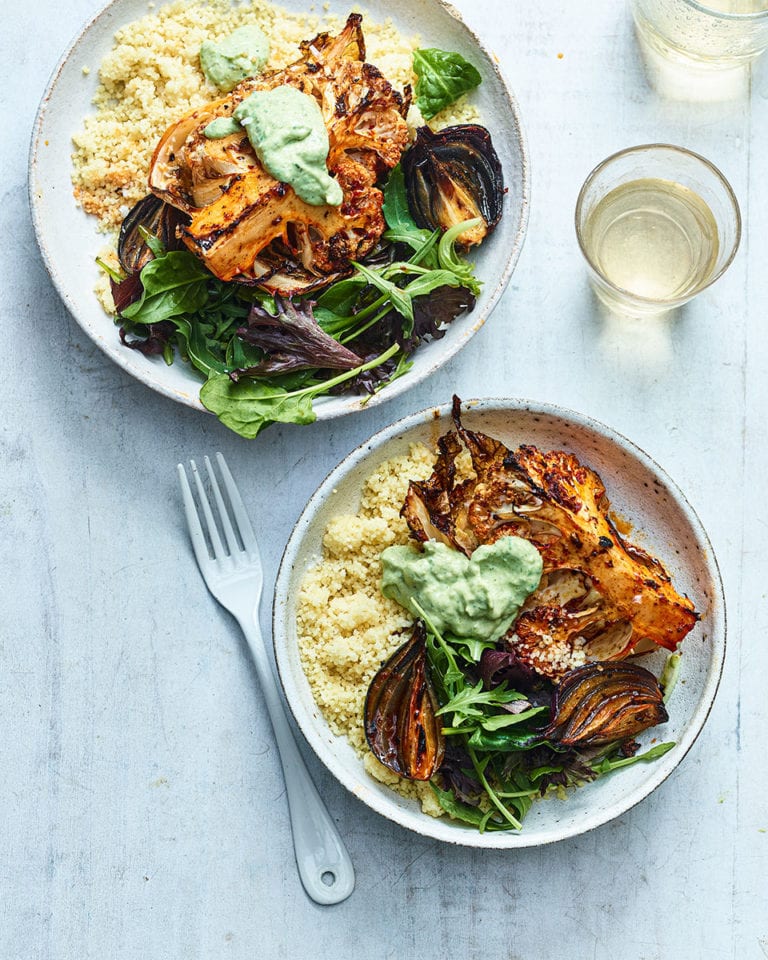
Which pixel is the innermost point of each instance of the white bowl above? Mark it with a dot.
(69, 240)
(663, 522)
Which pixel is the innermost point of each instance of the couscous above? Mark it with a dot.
(346, 627)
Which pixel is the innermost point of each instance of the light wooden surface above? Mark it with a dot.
(141, 805)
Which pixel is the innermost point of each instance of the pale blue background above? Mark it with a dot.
(141, 805)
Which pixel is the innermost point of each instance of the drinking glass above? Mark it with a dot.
(657, 224)
(701, 50)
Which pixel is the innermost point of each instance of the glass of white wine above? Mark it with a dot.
(701, 49)
(708, 32)
(657, 224)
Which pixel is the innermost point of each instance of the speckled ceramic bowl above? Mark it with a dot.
(663, 523)
(69, 240)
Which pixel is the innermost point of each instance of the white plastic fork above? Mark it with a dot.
(234, 576)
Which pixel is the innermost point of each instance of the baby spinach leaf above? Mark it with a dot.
(341, 297)
(249, 406)
(174, 284)
(442, 77)
(402, 227)
(396, 211)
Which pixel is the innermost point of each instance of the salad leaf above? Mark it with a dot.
(371, 383)
(240, 354)
(173, 285)
(156, 342)
(292, 340)
(248, 406)
(400, 299)
(471, 649)
(612, 762)
(669, 675)
(201, 350)
(155, 244)
(450, 261)
(446, 671)
(499, 722)
(504, 741)
(402, 227)
(496, 666)
(114, 275)
(461, 811)
(442, 77)
(341, 298)
(481, 766)
(467, 701)
(396, 210)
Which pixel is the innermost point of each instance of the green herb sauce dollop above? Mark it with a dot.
(244, 53)
(288, 134)
(476, 598)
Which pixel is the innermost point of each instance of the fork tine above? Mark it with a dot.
(229, 533)
(193, 520)
(213, 531)
(241, 516)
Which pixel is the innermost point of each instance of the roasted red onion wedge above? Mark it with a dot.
(453, 176)
(400, 723)
(158, 218)
(603, 703)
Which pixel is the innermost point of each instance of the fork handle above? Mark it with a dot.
(325, 868)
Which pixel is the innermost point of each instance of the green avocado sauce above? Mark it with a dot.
(242, 54)
(287, 131)
(221, 127)
(475, 598)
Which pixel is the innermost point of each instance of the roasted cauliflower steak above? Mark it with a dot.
(600, 595)
(245, 225)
